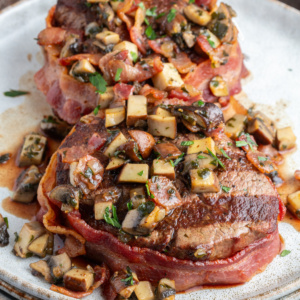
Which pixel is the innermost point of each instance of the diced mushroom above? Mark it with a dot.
(119, 140)
(162, 126)
(134, 173)
(78, 280)
(114, 116)
(4, 236)
(130, 47)
(67, 195)
(130, 150)
(235, 125)
(70, 46)
(32, 150)
(211, 38)
(124, 282)
(219, 87)
(167, 151)
(29, 232)
(162, 112)
(144, 140)
(108, 37)
(72, 169)
(115, 163)
(162, 167)
(293, 204)
(262, 133)
(166, 289)
(54, 127)
(41, 268)
(81, 70)
(137, 196)
(106, 98)
(285, 139)
(59, 265)
(189, 38)
(197, 15)
(200, 253)
(168, 77)
(204, 181)
(100, 207)
(27, 185)
(202, 146)
(39, 245)
(150, 221)
(198, 161)
(144, 291)
(136, 109)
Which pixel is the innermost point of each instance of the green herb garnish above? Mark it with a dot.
(146, 208)
(179, 159)
(151, 12)
(98, 81)
(129, 205)
(262, 159)
(142, 5)
(216, 159)
(150, 33)
(285, 253)
(224, 153)
(134, 56)
(140, 173)
(114, 221)
(129, 278)
(6, 222)
(226, 189)
(15, 93)
(118, 74)
(187, 143)
(96, 110)
(171, 15)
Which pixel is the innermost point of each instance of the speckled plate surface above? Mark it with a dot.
(270, 39)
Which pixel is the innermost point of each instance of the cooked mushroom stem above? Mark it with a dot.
(285, 139)
(26, 185)
(204, 181)
(39, 245)
(136, 109)
(66, 194)
(162, 167)
(134, 173)
(81, 70)
(114, 116)
(137, 196)
(235, 125)
(197, 15)
(166, 289)
(262, 133)
(293, 204)
(41, 268)
(144, 291)
(162, 126)
(202, 146)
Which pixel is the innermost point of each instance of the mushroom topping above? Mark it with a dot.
(166, 289)
(293, 204)
(59, 265)
(144, 140)
(54, 127)
(78, 280)
(167, 151)
(4, 236)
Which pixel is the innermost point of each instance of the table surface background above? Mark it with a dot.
(295, 3)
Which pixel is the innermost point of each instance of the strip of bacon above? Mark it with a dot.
(51, 36)
(92, 58)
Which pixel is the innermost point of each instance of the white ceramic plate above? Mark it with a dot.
(270, 38)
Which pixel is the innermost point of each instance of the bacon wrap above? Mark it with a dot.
(51, 36)
(135, 32)
(150, 264)
(147, 90)
(92, 58)
(182, 63)
(164, 46)
(207, 3)
(231, 72)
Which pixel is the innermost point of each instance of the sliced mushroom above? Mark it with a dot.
(167, 151)
(26, 185)
(235, 125)
(262, 133)
(144, 140)
(293, 204)
(197, 14)
(202, 118)
(41, 268)
(67, 195)
(39, 245)
(81, 70)
(166, 289)
(285, 139)
(144, 291)
(114, 116)
(137, 196)
(108, 37)
(129, 149)
(204, 181)
(71, 46)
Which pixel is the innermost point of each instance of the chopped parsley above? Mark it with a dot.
(172, 163)
(262, 159)
(285, 253)
(118, 74)
(50, 119)
(191, 1)
(249, 142)
(129, 278)
(17, 238)
(187, 143)
(140, 173)
(213, 45)
(134, 56)
(129, 205)
(201, 156)
(146, 208)
(171, 15)
(98, 81)
(216, 159)
(15, 93)
(87, 4)
(96, 110)
(200, 103)
(179, 159)
(241, 143)
(160, 15)
(6, 222)
(142, 5)
(4, 158)
(147, 188)
(150, 33)
(224, 153)
(226, 189)
(151, 12)
(114, 221)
